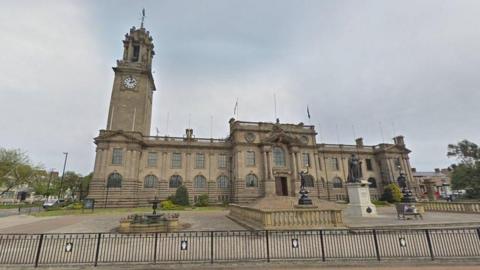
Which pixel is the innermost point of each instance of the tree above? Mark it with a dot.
(181, 196)
(392, 193)
(465, 151)
(466, 174)
(45, 183)
(85, 185)
(15, 169)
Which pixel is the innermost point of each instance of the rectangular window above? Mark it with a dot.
(117, 157)
(250, 158)
(200, 161)
(334, 164)
(222, 161)
(397, 164)
(306, 160)
(176, 160)
(369, 164)
(136, 53)
(152, 159)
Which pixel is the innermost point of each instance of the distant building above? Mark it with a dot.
(256, 159)
(440, 179)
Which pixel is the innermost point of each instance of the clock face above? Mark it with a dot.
(130, 82)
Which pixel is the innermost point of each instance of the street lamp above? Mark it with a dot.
(63, 174)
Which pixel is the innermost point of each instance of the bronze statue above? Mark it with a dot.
(354, 170)
(302, 180)
(402, 181)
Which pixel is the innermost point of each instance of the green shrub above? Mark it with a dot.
(380, 203)
(167, 205)
(202, 200)
(76, 205)
(392, 193)
(181, 196)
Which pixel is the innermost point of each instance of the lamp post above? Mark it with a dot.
(63, 174)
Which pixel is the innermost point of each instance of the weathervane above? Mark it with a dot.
(143, 17)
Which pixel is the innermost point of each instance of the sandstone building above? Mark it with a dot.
(257, 159)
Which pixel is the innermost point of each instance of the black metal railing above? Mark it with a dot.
(225, 246)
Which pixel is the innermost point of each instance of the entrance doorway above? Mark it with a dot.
(281, 186)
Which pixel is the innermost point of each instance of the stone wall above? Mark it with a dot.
(270, 219)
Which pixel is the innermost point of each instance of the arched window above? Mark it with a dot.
(251, 180)
(372, 182)
(175, 181)
(150, 181)
(114, 180)
(309, 182)
(337, 182)
(200, 181)
(222, 181)
(278, 156)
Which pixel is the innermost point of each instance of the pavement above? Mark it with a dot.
(213, 220)
(283, 265)
(387, 218)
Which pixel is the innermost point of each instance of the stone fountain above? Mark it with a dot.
(150, 222)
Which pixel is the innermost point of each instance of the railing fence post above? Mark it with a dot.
(155, 248)
(268, 246)
(377, 251)
(429, 241)
(322, 245)
(97, 251)
(39, 248)
(211, 247)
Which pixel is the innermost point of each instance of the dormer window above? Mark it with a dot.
(136, 53)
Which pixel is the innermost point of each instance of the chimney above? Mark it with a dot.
(189, 133)
(437, 170)
(399, 140)
(359, 142)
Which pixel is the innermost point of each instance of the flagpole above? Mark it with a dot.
(338, 137)
(168, 119)
(211, 126)
(308, 115)
(381, 131)
(319, 132)
(274, 107)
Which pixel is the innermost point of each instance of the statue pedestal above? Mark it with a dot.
(360, 204)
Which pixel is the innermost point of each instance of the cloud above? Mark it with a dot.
(50, 74)
(407, 66)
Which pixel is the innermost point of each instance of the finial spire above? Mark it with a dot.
(143, 17)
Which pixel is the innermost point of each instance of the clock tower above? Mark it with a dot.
(133, 85)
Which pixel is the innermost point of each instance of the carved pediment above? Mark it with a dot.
(118, 136)
(278, 135)
(396, 149)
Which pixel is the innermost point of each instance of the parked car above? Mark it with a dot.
(53, 202)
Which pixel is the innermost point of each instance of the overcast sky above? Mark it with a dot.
(404, 67)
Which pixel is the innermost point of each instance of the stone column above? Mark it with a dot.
(187, 167)
(294, 183)
(269, 181)
(265, 165)
(317, 173)
(164, 166)
(270, 165)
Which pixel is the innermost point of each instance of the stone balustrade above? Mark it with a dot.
(269, 219)
(452, 207)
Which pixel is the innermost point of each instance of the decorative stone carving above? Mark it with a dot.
(250, 137)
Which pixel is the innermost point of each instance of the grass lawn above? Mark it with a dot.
(113, 211)
(15, 206)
